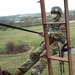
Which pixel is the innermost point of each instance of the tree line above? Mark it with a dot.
(29, 19)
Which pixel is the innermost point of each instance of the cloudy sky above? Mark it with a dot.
(12, 7)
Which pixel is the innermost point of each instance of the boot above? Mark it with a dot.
(0, 71)
(4, 72)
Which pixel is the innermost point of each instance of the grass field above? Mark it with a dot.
(18, 36)
(12, 62)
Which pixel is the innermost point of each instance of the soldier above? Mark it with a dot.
(57, 35)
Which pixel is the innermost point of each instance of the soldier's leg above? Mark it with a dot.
(40, 65)
(34, 57)
(56, 47)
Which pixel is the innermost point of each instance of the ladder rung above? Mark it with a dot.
(71, 46)
(58, 58)
(52, 23)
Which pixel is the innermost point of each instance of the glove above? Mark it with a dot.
(41, 34)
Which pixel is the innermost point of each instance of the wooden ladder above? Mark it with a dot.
(49, 57)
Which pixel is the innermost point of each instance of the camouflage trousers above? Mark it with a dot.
(38, 58)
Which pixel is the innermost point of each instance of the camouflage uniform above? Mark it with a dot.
(57, 40)
(34, 57)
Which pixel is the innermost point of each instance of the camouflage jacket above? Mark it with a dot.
(57, 32)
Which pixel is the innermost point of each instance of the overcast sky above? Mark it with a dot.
(12, 7)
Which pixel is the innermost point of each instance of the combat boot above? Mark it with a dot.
(4, 72)
(0, 71)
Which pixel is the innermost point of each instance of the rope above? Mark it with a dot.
(6, 25)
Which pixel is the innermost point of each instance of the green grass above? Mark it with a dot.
(72, 33)
(18, 36)
(12, 62)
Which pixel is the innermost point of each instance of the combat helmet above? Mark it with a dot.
(56, 9)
